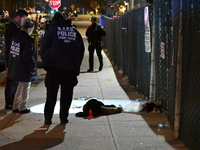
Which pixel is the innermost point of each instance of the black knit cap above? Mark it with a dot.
(58, 16)
(93, 18)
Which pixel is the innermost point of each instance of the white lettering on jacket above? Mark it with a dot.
(15, 49)
(67, 34)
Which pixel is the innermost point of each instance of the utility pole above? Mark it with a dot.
(131, 4)
(152, 76)
(178, 76)
(34, 5)
(26, 3)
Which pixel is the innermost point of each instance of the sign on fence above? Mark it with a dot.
(147, 30)
(162, 50)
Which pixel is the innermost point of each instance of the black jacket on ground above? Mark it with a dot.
(62, 49)
(11, 30)
(94, 33)
(21, 60)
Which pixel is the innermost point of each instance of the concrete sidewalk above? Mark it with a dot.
(124, 131)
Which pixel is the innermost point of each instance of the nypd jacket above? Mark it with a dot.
(22, 64)
(94, 33)
(62, 49)
(11, 30)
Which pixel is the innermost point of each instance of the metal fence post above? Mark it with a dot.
(152, 75)
(178, 77)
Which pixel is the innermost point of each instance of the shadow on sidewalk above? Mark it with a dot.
(167, 132)
(39, 140)
(3, 112)
(8, 120)
(152, 120)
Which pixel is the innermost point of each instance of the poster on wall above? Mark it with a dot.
(147, 30)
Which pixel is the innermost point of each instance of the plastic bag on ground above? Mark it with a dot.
(133, 107)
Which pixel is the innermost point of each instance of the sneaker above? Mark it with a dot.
(100, 68)
(25, 111)
(15, 111)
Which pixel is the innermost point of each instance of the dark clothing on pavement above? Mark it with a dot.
(62, 51)
(94, 34)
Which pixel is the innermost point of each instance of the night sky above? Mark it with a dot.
(67, 3)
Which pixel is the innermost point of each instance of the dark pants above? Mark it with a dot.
(52, 84)
(91, 50)
(10, 90)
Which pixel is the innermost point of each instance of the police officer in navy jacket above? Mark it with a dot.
(94, 33)
(62, 51)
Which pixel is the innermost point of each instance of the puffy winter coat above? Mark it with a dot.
(22, 64)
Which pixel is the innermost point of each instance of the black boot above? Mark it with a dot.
(100, 68)
(90, 66)
(47, 121)
(101, 65)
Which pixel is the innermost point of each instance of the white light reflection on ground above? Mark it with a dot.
(77, 105)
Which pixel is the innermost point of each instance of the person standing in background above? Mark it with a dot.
(13, 27)
(62, 52)
(22, 66)
(94, 33)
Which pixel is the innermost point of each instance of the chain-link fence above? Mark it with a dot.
(176, 24)
(164, 57)
(190, 96)
(125, 43)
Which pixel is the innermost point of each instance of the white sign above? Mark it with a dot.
(162, 50)
(147, 30)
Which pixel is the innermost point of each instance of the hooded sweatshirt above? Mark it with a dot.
(62, 47)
